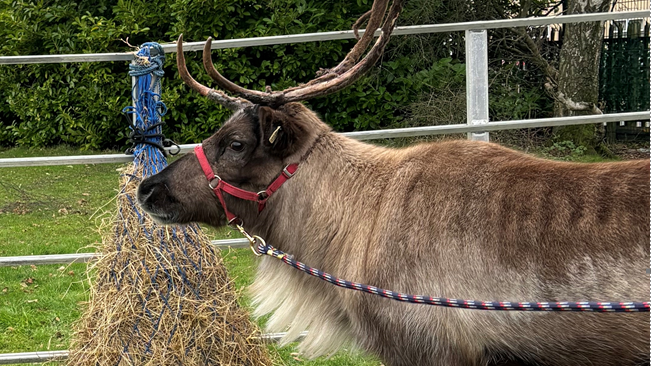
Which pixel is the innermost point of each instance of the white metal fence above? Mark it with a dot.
(477, 125)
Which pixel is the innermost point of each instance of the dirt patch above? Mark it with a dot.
(23, 201)
(18, 208)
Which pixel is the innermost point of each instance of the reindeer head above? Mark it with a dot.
(267, 131)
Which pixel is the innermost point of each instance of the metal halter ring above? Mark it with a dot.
(215, 178)
(236, 223)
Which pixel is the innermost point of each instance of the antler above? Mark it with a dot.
(212, 94)
(375, 16)
(347, 72)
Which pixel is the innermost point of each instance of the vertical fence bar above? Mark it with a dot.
(134, 97)
(477, 81)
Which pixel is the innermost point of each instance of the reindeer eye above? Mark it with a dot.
(237, 146)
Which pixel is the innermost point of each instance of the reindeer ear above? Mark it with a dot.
(279, 131)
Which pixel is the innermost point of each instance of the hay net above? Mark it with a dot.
(161, 294)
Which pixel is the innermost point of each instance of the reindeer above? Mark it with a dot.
(460, 219)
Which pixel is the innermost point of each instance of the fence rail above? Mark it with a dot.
(360, 135)
(45, 356)
(331, 36)
(27, 260)
(29, 357)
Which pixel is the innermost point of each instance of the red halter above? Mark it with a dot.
(221, 186)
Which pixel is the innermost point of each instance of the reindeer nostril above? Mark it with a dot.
(154, 194)
(145, 190)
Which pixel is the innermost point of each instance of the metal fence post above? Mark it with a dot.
(134, 97)
(477, 81)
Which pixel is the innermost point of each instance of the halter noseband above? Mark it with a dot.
(218, 186)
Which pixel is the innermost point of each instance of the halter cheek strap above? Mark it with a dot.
(218, 186)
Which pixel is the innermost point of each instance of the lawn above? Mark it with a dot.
(56, 210)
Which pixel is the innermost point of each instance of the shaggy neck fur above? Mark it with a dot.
(299, 220)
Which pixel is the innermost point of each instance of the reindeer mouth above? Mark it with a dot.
(159, 216)
(163, 218)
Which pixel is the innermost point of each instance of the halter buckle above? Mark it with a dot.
(287, 173)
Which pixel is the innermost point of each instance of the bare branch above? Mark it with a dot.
(577, 106)
(570, 104)
(536, 56)
(550, 10)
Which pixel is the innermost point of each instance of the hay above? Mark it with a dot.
(161, 296)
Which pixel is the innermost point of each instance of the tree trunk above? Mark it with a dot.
(578, 72)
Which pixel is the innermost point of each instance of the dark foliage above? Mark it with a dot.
(79, 104)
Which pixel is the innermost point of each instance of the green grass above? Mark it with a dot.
(56, 210)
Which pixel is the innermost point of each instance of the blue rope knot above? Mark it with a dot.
(149, 60)
(144, 117)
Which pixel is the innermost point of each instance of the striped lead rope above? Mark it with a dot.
(594, 306)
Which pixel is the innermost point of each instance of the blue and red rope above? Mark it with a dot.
(593, 306)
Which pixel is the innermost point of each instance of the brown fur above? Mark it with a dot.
(458, 219)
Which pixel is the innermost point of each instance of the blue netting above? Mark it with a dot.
(148, 108)
(162, 295)
(149, 159)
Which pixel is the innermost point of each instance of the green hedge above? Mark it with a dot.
(79, 104)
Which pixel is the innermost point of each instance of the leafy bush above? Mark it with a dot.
(511, 97)
(564, 150)
(79, 104)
